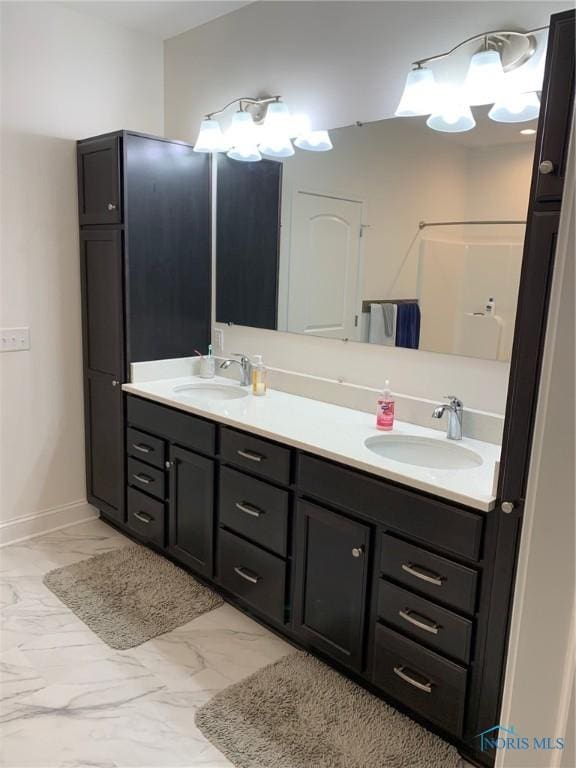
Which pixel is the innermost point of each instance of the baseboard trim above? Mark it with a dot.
(30, 526)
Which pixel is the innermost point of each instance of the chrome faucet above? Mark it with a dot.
(245, 368)
(454, 408)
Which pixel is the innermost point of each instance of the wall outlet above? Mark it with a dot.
(218, 340)
(14, 339)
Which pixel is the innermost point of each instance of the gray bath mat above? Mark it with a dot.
(300, 713)
(130, 595)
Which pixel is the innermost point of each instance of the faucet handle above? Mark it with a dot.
(241, 355)
(454, 401)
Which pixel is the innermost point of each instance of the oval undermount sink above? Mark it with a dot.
(423, 452)
(210, 392)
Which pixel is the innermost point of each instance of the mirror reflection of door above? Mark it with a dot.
(324, 266)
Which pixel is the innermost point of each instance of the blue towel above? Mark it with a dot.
(408, 325)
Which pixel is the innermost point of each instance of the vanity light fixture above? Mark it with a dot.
(486, 82)
(262, 126)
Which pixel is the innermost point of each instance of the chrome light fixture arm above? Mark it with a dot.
(496, 38)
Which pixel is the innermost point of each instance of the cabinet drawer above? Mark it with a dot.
(146, 517)
(441, 579)
(424, 621)
(430, 520)
(146, 478)
(256, 455)
(254, 575)
(145, 447)
(255, 509)
(176, 426)
(427, 683)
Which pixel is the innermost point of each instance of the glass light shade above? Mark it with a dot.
(246, 153)
(419, 94)
(315, 141)
(210, 138)
(242, 131)
(275, 141)
(280, 148)
(451, 114)
(485, 79)
(515, 108)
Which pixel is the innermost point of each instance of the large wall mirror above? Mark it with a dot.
(400, 236)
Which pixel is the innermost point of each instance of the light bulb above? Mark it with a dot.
(419, 93)
(485, 79)
(210, 138)
(242, 130)
(515, 108)
(451, 115)
(275, 140)
(246, 153)
(315, 141)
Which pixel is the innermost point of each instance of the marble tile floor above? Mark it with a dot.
(67, 700)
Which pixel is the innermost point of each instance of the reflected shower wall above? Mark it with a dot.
(457, 277)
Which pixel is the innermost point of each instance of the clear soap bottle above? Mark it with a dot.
(259, 376)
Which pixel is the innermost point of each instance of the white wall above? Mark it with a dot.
(65, 75)
(340, 62)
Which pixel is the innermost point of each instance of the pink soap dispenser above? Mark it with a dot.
(385, 409)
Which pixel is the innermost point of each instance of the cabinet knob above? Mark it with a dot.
(167, 464)
(115, 382)
(507, 507)
(357, 551)
(546, 167)
(111, 207)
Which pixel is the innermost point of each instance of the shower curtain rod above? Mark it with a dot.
(423, 224)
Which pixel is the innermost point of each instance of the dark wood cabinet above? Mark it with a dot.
(104, 426)
(248, 242)
(99, 191)
(557, 107)
(101, 268)
(332, 555)
(144, 212)
(190, 537)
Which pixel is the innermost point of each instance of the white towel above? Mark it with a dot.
(376, 334)
(390, 311)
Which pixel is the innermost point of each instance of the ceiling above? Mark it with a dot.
(156, 18)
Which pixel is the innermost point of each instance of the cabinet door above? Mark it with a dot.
(99, 194)
(102, 301)
(168, 249)
(191, 518)
(104, 444)
(248, 242)
(331, 579)
(556, 113)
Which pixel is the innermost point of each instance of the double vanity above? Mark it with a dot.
(390, 555)
(364, 547)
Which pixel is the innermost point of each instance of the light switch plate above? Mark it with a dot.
(14, 339)
(218, 340)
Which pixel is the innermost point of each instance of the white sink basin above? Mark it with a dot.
(423, 452)
(212, 392)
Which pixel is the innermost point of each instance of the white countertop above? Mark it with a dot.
(335, 433)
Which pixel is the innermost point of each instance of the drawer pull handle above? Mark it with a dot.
(143, 478)
(420, 573)
(247, 575)
(142, 447)
(410, 617)
(111, 207)
(426, 687)
(252, 455)
(143, 517)
(249, 509)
